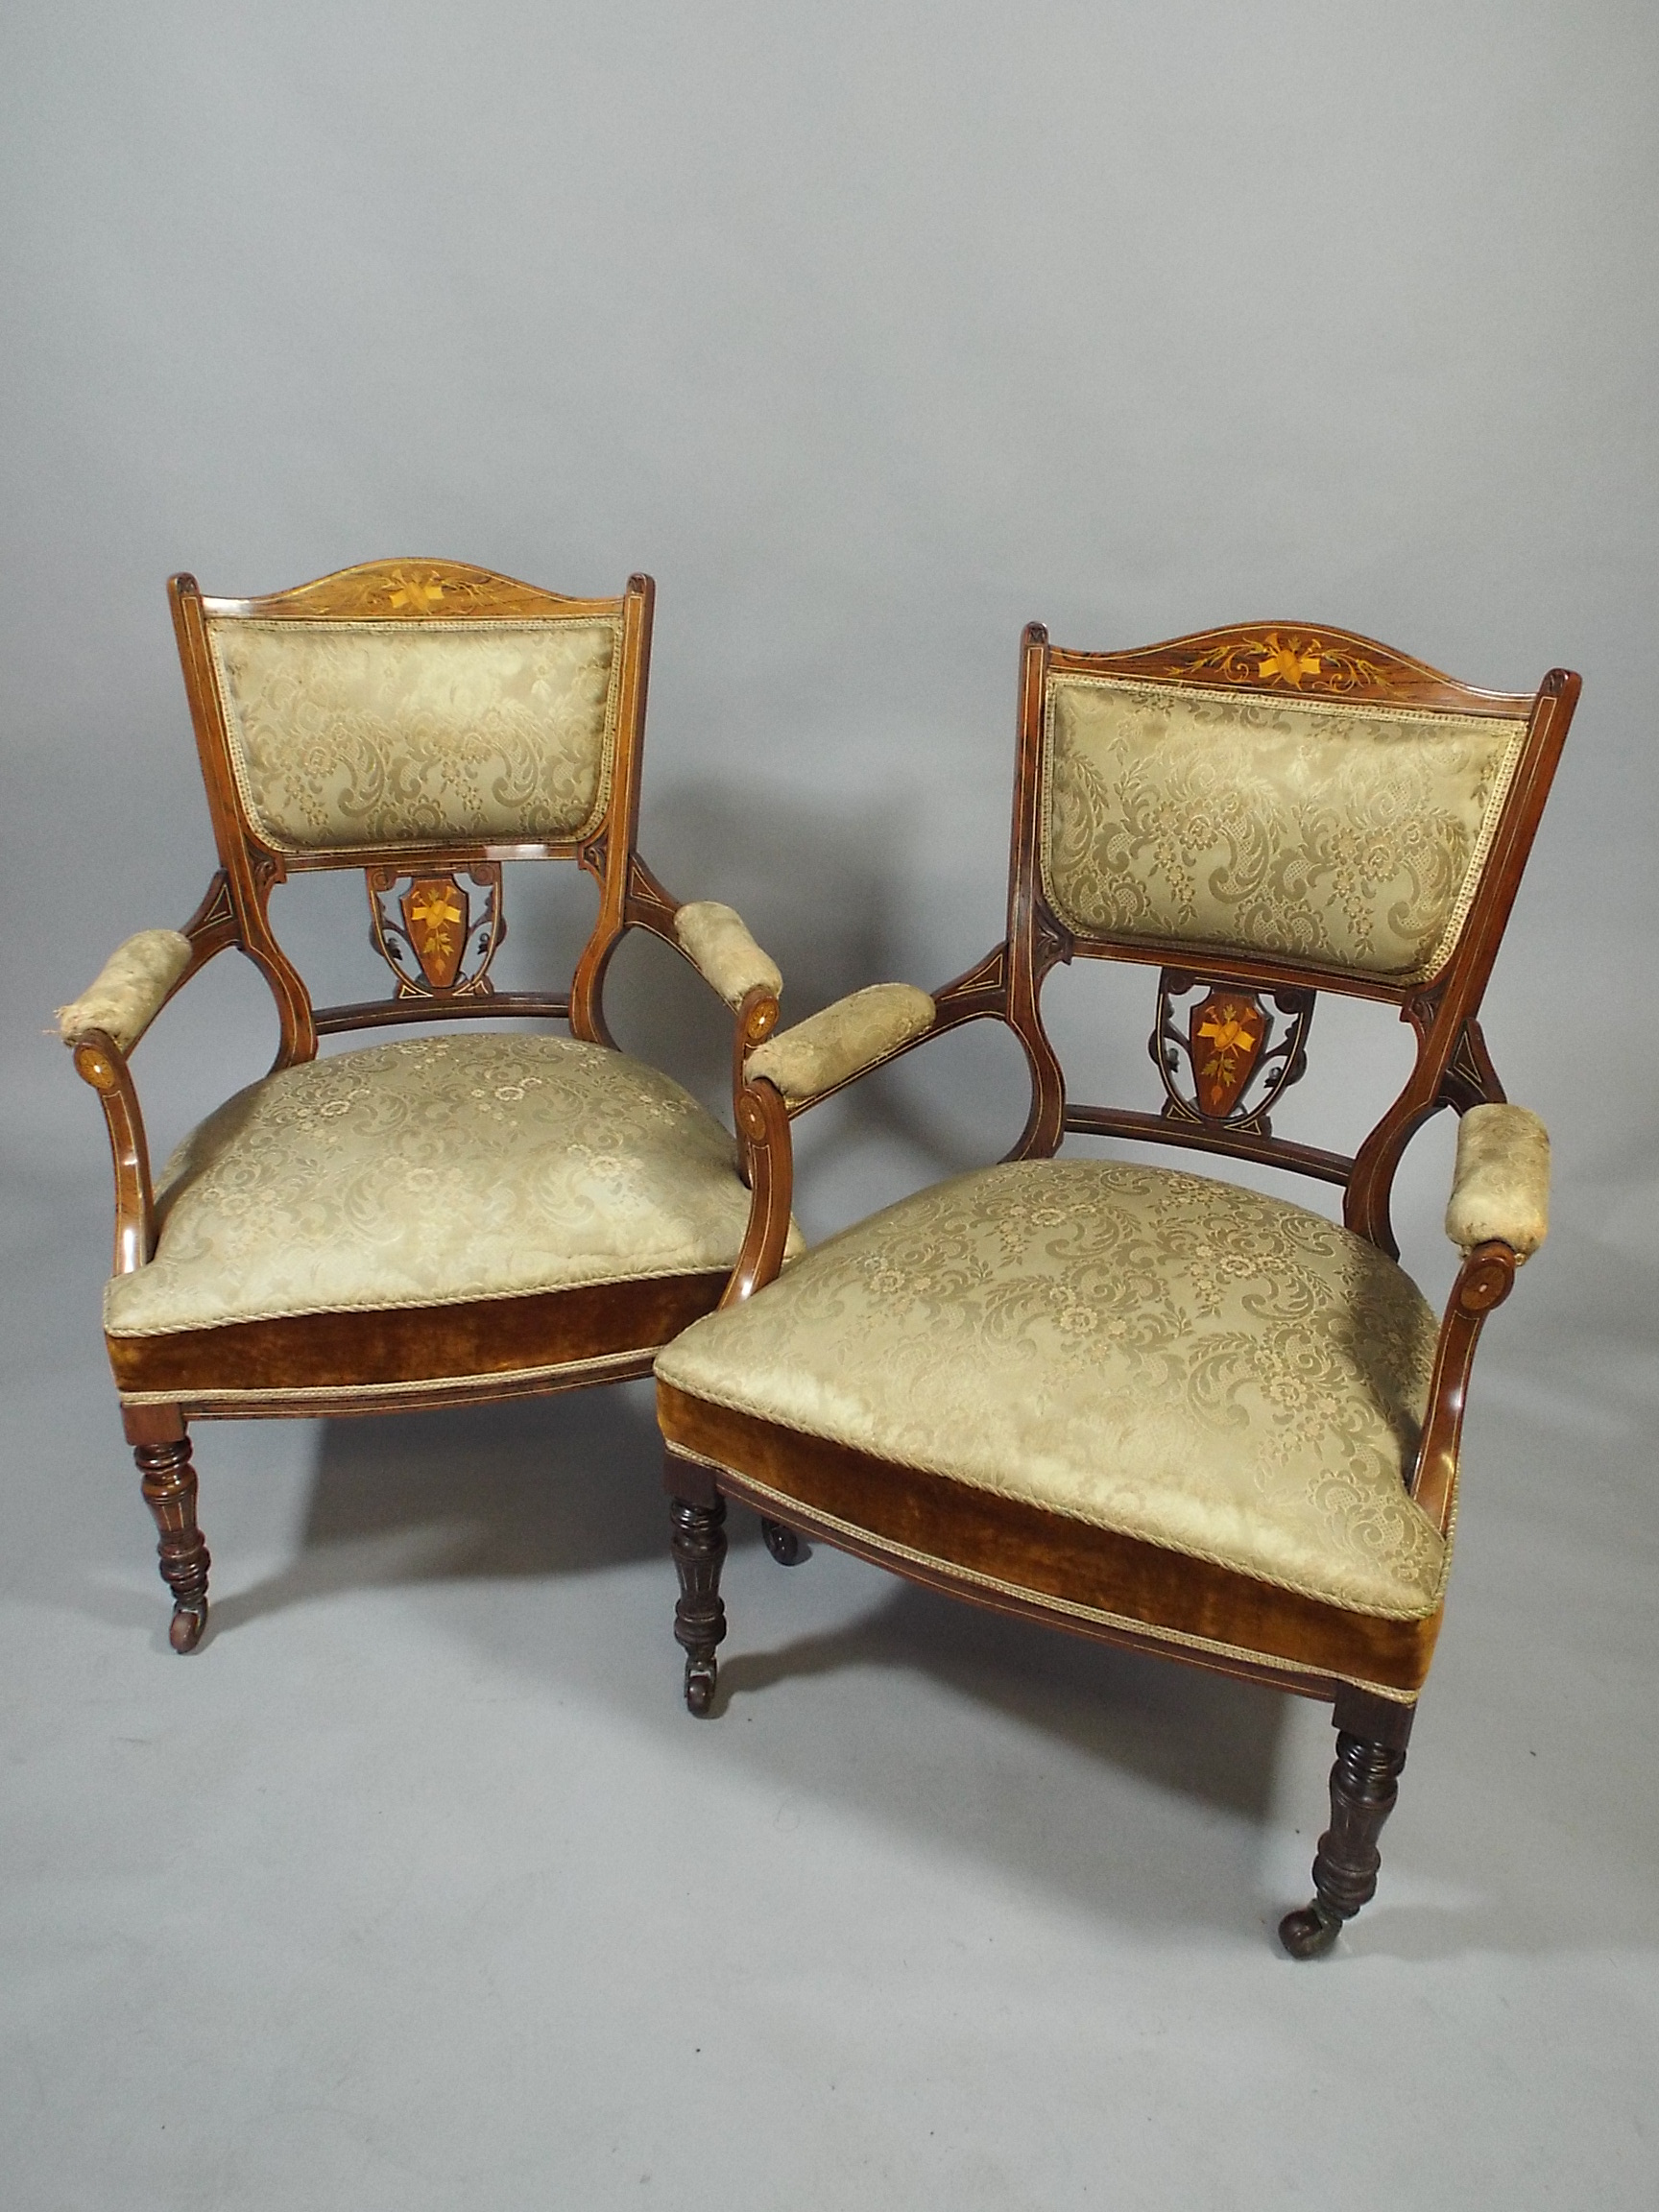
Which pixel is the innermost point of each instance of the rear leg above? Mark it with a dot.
(788, 1545)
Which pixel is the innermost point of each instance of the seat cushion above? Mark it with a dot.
(436, 1171)
(1159, 1355)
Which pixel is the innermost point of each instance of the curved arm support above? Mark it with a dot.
(756, 1018)
(131, 991)
(101, 1062)
(763, 1130)
(1484, 1281)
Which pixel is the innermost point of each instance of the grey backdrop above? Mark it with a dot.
(872, 332)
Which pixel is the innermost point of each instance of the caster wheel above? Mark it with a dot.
(1310, 1934)
(700, 1674)
(184, 1632)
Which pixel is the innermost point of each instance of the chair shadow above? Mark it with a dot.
(1205, 1736)
(567, 1484)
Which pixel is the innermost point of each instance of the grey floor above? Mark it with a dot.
(416, 1887)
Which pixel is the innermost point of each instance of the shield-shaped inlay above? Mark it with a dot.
(434, 911)
(1228, 1031)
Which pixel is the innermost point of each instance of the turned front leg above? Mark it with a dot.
(170, 1493)
(699, 1542)
(1364, 1784)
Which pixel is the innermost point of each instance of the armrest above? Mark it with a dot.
(129, 989)
(1500, 1183)
(716, 941)
(1498, 1215)
(101, 1027)
(817, 1055)
(828, 1049)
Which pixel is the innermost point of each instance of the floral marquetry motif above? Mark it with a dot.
(440, 936)
(1227, 1051)
(1226, 1035)
(434, 914)
(382, 590)
(1318, 664)
(1291, 658)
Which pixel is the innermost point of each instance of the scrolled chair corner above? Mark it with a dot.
(129, 990)
(716, 940)
(1501, 1182)
(831, 1047)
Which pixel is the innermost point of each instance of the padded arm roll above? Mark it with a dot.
(828, 1047)
(1501, 1184)
(716, 941)
(129, 989)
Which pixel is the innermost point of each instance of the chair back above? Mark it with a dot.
(424, 721)
(1265, 813)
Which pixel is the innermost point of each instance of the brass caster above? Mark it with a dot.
(700, 1676)
(184, 1632)
(1311, 1933)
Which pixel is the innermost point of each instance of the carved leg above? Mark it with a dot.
(699, 1542)
(788, 1545)
(170, 1493)
(1364, 1782)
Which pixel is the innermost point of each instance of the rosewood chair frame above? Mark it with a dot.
(1452, 1068)
(444, 1356)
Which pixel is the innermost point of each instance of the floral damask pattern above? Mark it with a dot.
(389, 733)
(433, 1170)
(1158, 1354)
(1345, 835)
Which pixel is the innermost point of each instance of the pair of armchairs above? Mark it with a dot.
(1145, 1406)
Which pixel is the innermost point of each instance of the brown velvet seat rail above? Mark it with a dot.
(1020, 1550)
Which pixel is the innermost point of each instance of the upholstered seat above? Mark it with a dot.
(1157, 1354)
(434, 1171)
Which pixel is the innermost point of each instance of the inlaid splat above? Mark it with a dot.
(1227, 1050)
(440, 936)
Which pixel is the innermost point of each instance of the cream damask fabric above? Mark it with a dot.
(717, 942)
(1350, 836)
(1155, 1352)
(393, 733)
(429, 1171)
(128, 992)
(838, 1041)
(1500, 1183)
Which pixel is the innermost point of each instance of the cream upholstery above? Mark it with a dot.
(128, 990)
(1347, 835)
(716, 940)
(388, 734)
(431, 1171)
(1155, 1352)
(1500, 1183)
(832, 1045)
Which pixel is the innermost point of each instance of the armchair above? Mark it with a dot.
(1145, 1406)
(444, 1219)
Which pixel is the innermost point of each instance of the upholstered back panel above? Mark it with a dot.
(1349, 837)
(389, 733)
